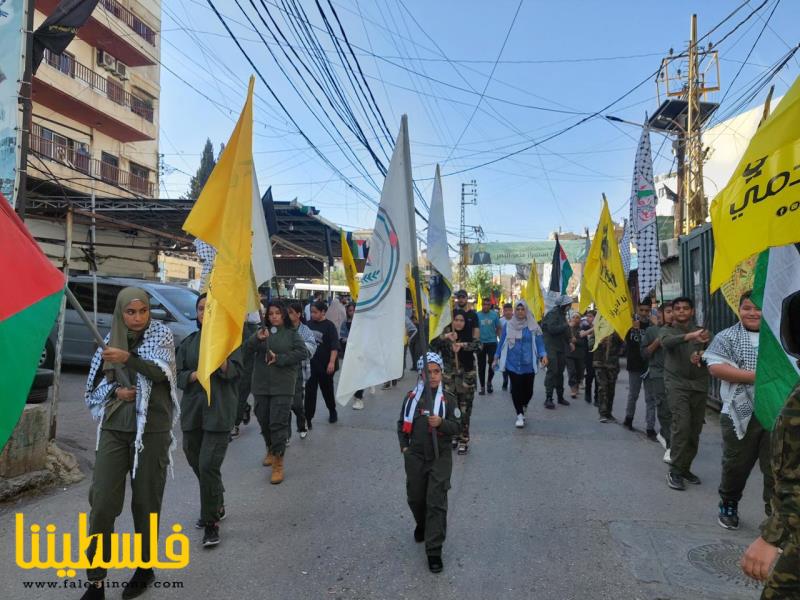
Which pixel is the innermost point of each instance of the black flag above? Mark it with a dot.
(59, 28)
(328, 246)
(269, 212)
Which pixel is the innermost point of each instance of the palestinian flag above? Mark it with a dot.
(561, 270)
(28, 308)
(777, 276)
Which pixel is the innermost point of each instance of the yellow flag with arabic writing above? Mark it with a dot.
(533, 293)
(604, 276)
(222, 216)
(760, 206)
(349, 267)
(602, 329)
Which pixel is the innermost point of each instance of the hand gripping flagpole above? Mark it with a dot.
(415, 276)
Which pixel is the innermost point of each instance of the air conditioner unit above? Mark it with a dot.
(122, 70)
(105, 60)
(668, 248)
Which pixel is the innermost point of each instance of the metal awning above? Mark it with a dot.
(299, 246)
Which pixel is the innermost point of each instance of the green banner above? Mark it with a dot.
(522, 253)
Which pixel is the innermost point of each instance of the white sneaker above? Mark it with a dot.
(358, 404)
(303, 435)
(520, 421)
(667, 457)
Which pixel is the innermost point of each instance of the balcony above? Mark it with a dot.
(131, 20)
(118, 113)
(78, 158)
(109, 29)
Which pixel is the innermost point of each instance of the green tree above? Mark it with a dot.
(479, 281)
(207, 163)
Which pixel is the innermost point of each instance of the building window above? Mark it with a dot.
(109, 168)
(64, 62)
(60, 148)
(140, 179)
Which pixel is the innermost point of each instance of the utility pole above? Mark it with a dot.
(683, 113)
(469, 196)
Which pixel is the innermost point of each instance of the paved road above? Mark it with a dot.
(567, 508)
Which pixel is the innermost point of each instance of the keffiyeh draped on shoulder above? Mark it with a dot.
(733, 347)
(158, 346)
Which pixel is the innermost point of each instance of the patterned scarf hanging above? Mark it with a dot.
(733, 347)
(158, 346)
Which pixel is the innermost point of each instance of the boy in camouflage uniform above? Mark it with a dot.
(779, 543)
(606, 368)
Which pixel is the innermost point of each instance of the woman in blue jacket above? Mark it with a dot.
(520, 352)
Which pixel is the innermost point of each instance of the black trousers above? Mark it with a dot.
(590, 377)
(485, 358)
(521, 389)
(319, 380)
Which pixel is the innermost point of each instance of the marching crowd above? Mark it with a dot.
(291, 352)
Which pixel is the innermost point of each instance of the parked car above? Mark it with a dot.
(173, 304)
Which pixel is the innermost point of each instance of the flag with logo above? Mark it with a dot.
(584, 296)
(32, 295)
(625, 248)
(777, 276)
(759, 208)
(533, 293)
(375, 344)
(605, 277)
(642, 223)
(441, 287)
(223, 217)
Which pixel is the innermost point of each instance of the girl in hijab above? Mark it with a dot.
(279, 350)
(520, 351)
(206, 427)
(457, 348)
(131, 393)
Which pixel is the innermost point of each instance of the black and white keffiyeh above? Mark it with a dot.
(733, 347)
(158, 346)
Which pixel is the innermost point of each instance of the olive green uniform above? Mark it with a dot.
(206, 427)
(557, 336)
(687, 393)
(428, 477)
(576, 359)
(115, 457)
(458, 380)
(274, 385)
(782, 528)
(246, 376)
(654, 381)
(605, 361)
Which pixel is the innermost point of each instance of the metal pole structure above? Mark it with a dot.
(26, 99)
(60, 335)
(93, 239)
(415, 276)
(696, 208)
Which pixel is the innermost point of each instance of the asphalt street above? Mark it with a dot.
(566, 508)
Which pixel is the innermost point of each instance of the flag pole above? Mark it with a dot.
(422, 328)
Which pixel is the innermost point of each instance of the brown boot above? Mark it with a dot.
(269, 460)
(277, 469)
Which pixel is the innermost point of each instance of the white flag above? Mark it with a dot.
(442, 276)
(263, 266)
(643, 224)
(375, 344)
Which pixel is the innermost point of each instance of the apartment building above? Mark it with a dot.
(95, 106)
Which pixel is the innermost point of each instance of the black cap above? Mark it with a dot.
(790, 324)
(460, 293)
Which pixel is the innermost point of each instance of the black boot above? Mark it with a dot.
(435, 564)
(138, 584)
(628, 424)
(548, 403)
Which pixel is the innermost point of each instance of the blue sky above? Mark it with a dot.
(432, 61)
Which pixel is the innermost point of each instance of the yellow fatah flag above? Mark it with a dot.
(602, 329)
(760, 206)
(479, 303)
(533, 293)
(604, 276)
(222, 216)
(349, 267)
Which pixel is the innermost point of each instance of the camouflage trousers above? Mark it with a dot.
(606, 381)
(784, 581)
(463, 386)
